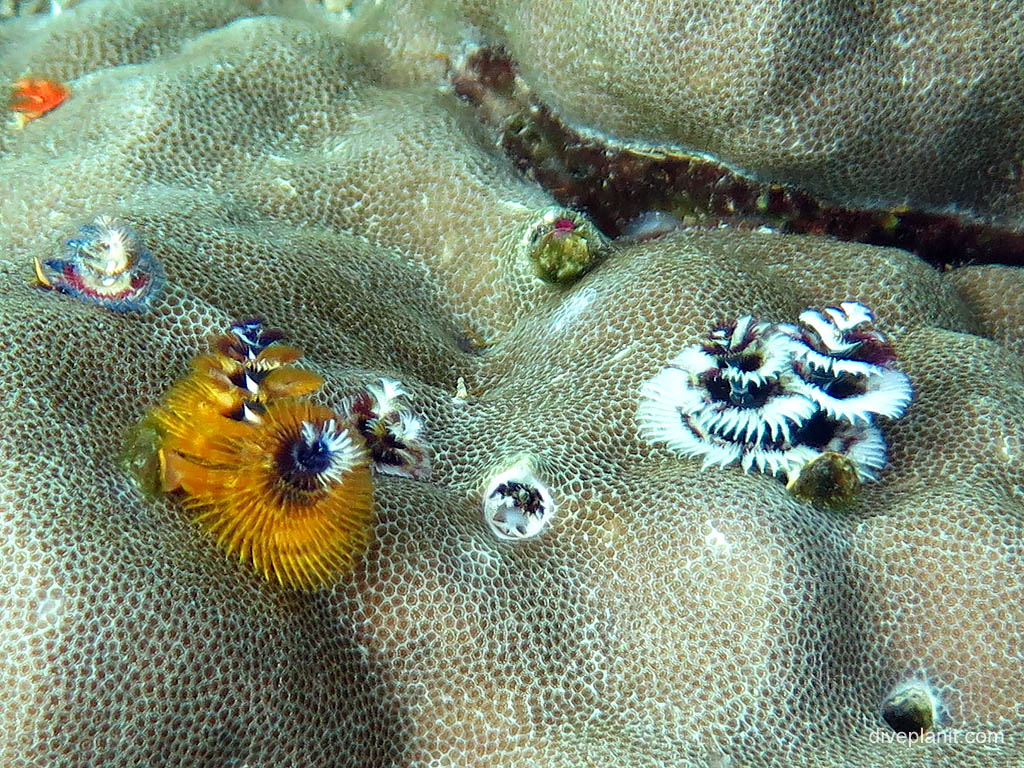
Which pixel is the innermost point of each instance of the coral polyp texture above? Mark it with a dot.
(287, 163)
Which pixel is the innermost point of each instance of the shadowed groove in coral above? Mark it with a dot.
(614, 184)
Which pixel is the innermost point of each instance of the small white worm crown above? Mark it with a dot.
(393, 433)
(516, 504)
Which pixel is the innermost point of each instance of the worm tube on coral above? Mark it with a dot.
(562, 244)
(517, 504)
(911, 707)
(107, 264)
(830, 479)
(862, 444)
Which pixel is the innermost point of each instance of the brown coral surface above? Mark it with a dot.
(284, 166)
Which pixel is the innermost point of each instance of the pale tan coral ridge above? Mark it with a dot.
(666, 615)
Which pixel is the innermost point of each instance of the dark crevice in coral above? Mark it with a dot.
(613, 185)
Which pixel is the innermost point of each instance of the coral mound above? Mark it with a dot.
(282, 166)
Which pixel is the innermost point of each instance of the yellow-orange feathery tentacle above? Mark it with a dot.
(278, 481)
